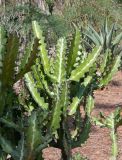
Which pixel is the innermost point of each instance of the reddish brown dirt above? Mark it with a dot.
(98, 146)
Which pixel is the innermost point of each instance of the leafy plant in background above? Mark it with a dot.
(93, 11)
(110, 42)
(105, 37)
(113, 121)
(19, 18)
(64, 14)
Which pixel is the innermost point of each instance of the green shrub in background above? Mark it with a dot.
(110, 39)
(105, 37)
(93, 11)
(19, 18)
(63, 14)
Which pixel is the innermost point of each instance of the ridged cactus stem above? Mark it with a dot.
(63, 140)
(113, 136)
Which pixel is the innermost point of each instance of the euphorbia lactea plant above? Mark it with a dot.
(58, 85)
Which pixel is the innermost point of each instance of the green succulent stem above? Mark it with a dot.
(113, 136)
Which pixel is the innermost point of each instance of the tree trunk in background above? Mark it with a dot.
(40, 3)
